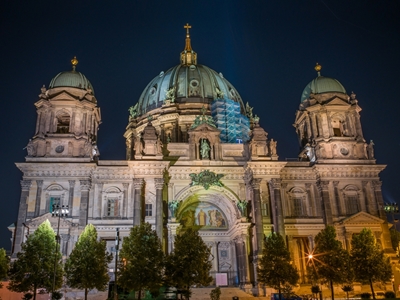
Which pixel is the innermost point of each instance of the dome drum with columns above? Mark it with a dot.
(197, 157)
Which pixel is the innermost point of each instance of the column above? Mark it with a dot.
(255, 183)
(376, 186)
(99, 200)
(83, 209)
(172, 227)
(337, 199)
(371, 206)
(326, 204)
(159, 183)
(19, 230)
(239, 247)
(124, 213)
(39, 184)
(71, 196)
(276, 186)
(137, 204)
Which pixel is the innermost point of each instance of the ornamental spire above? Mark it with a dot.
(74, 62)
(318, 68)
(188, 56)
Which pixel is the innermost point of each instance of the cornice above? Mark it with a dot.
(34, 170)
(230, 173)
(349, 171)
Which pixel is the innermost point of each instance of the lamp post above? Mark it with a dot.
(116, 265)
(58, 211)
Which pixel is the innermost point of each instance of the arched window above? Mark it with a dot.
(112, 202)
(55, 195)
(63, 121)
(297, 202)
(351, 200)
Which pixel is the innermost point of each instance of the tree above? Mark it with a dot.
(395, 238)
(87, 266)
(275, 268)
(330, 262)
(189, 263)
(4, 265)
(347, 289)
(141, 263)
(37, 263)
(369, 262)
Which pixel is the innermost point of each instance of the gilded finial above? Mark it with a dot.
(318, 68)
(188, 56)
(74, 62)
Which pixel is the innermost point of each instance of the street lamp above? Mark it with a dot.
(116, 265)
(58, 211)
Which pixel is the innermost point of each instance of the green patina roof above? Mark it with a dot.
(322, 85)
(71, 79)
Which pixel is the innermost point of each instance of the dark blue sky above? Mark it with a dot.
(266, 49)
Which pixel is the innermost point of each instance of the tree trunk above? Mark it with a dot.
(279, 291)
(347, 293)
(372, 289)
(34, 292)
(332, 292)
(139, 294)
(86, 292)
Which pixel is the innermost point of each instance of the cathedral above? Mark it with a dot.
(197, 156)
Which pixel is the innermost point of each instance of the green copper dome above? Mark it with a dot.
(322, 85)
(71, 78)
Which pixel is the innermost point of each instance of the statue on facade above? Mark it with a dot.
(272, 146)
(30, 148)
(242, 206)
(138, 145)
(159, 146)
(133, 111)
(371, 150)
(249, 111)
(173, 206)
(204, 149)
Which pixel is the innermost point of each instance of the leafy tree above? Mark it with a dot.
(275, 269)
(395, 238)
(35, 264)
(347, 289)
(369, 262)
(4, 265)
(87, 266)
(189, 263)
(142, 260)
(330, 262)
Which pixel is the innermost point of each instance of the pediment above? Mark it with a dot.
(361, 218)
(34, 223)
(337, 101)
(205, 127)
(64, 96)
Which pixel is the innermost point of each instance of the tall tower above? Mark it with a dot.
(67, 120)
(328, 124)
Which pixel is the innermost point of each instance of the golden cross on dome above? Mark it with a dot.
(187, 26)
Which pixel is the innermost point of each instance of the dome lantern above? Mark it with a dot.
(188, 56)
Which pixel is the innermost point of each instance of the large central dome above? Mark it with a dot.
(186, 84)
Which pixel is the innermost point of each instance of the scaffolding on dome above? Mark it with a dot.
(233, 125)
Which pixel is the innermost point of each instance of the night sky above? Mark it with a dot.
(266, 49)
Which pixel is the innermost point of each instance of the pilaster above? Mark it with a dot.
(19, 230)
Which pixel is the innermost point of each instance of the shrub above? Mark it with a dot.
(215, 293)
(365, 296)
(390, 294)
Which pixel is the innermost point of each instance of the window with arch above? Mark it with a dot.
(297, 202)
(55, 195)
(63, 121)
(112, 202)
(351, 200)
(338, 125)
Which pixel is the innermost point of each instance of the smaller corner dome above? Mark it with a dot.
(73, 79)
(322, 85)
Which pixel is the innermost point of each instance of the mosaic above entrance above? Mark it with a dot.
(203, 216)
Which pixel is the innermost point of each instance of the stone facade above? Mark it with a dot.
(234, 193)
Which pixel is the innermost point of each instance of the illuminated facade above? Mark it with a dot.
(196, 156)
